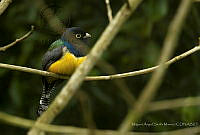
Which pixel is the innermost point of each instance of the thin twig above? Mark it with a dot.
(4, 48)
(109, 10)
(150, 89)
(147, 70)
(3, 5)
(96, 78)
(77, 78)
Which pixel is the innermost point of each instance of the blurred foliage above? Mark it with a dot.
(137, 46)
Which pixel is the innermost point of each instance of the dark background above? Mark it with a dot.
(136, 46)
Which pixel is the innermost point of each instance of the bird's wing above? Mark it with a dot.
(53, 54)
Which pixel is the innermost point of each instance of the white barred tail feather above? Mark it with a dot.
(48, 88)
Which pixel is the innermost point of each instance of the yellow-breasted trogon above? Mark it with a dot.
(62, 57)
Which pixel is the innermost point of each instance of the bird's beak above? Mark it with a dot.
(87, 35)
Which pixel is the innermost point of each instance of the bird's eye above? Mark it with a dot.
(78, 35)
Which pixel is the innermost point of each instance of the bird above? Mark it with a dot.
(63, 57)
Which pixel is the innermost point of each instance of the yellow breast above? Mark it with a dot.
(66, 65)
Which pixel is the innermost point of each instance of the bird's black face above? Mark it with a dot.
(75, 39)
(79, 34)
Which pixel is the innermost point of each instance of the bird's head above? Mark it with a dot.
(76, 40)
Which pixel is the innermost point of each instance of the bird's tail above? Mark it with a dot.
(48, 88)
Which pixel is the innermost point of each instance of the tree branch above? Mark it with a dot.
(3, 5)
(150, 89)
(96, 78)
(17, 40)
(25, 123)
(173, 103)
(154, 106)
(77, 78)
